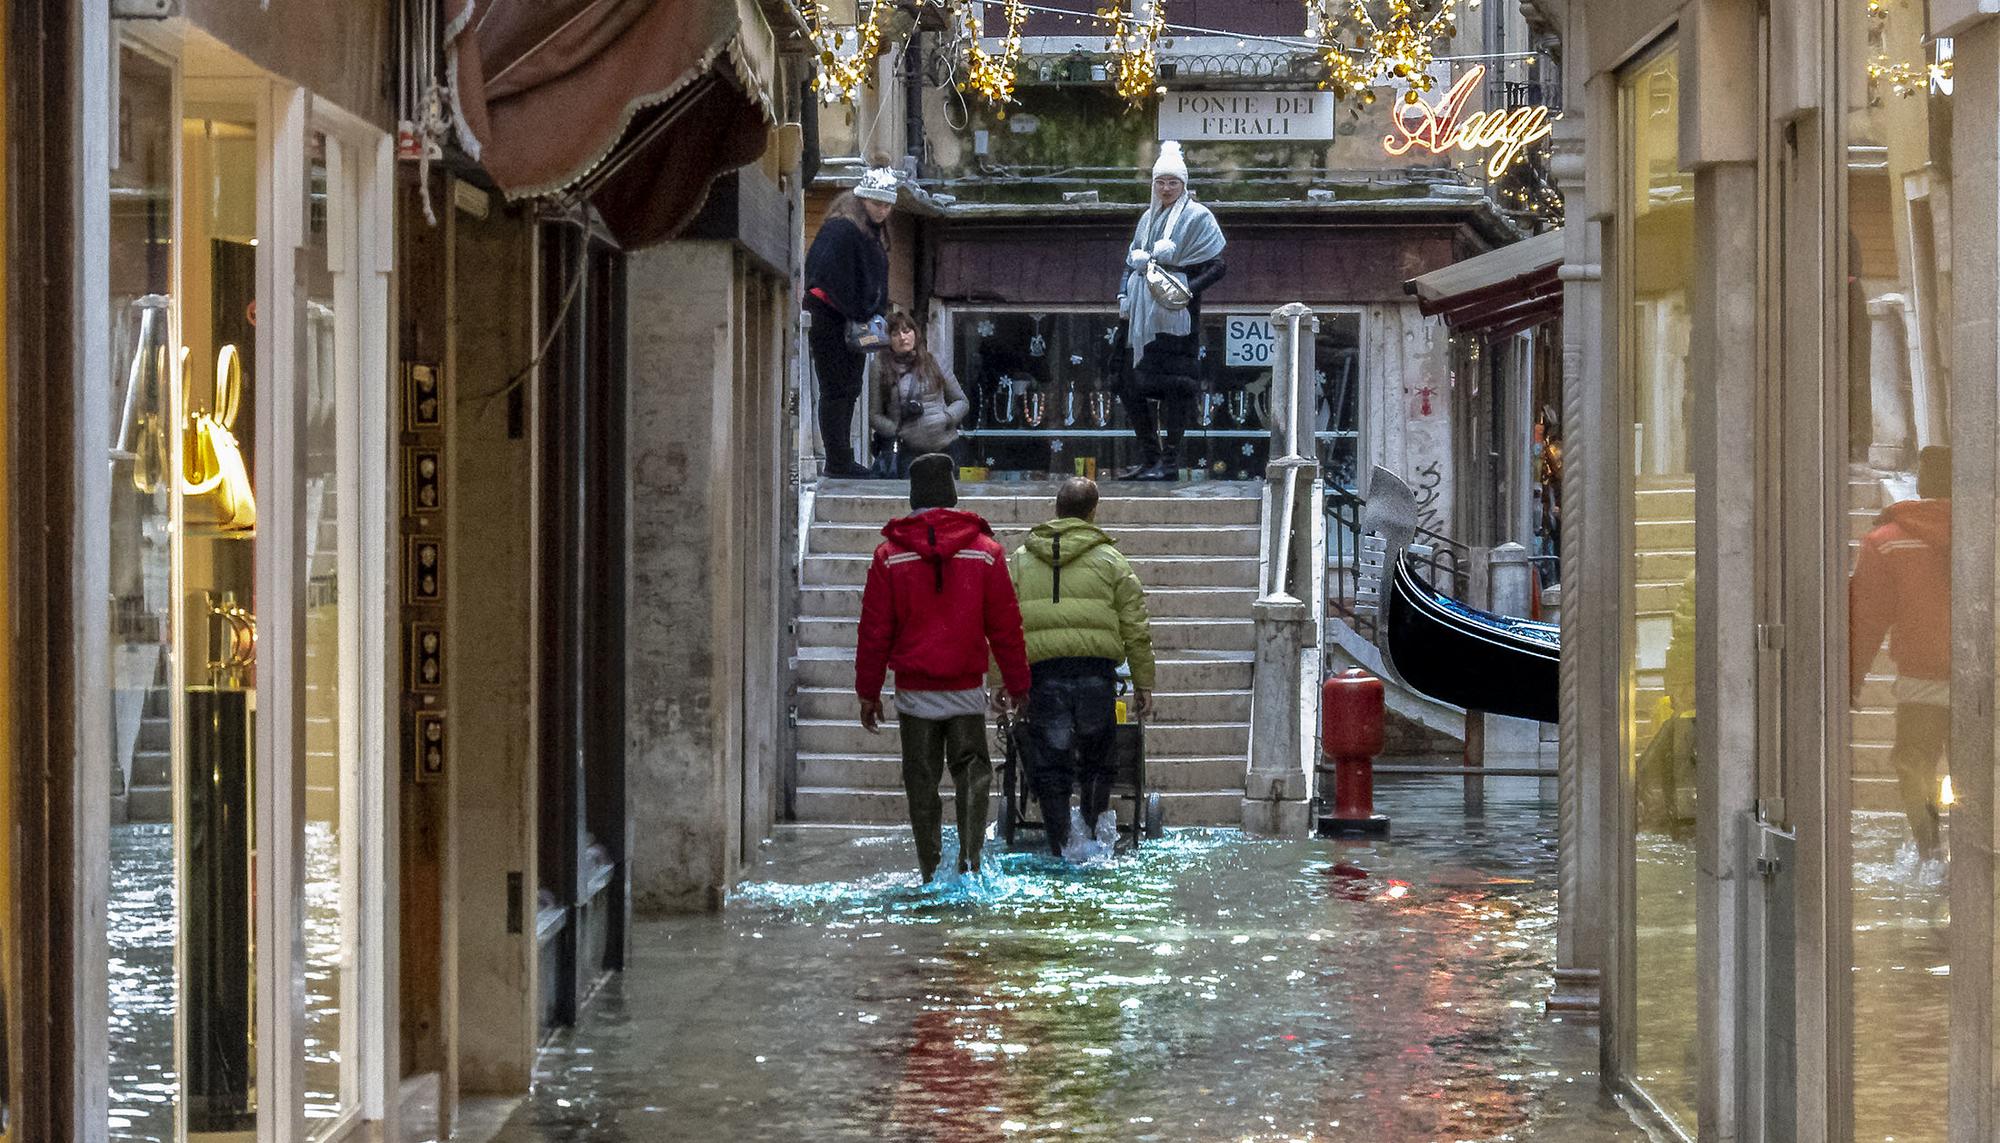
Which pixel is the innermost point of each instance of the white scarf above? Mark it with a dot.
(1197, 238)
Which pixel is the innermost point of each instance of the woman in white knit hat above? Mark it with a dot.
(847, 281)
(1161, 339)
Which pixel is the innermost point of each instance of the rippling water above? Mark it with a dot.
(1211, 987)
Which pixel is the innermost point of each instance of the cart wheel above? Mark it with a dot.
(1156, 819)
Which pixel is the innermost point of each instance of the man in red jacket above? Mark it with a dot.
(1901, 588)
(938, 596)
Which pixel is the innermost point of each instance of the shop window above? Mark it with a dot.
(1655, 252)
(1044, 393)
(1896, 533)
(143, 904)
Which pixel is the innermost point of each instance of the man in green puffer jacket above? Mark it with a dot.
(1084, 613)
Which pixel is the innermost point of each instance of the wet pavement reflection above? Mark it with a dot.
(1210, 987)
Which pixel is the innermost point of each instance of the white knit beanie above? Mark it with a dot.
(878, 184)
(1170, 161)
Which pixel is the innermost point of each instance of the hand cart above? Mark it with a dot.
(1019, 811)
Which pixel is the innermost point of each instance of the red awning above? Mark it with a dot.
(636, 105)
(1498, 293)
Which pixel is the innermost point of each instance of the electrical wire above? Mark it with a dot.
(485, 400)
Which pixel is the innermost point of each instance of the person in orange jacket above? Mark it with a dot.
(1901, 590)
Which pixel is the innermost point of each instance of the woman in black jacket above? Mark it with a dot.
(847, 280)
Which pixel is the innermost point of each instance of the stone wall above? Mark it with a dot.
(704, 485)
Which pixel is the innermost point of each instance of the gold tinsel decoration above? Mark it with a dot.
(992, 75)
(1903, 78)
(1135, 50)
(1361, 51)
(842, 76)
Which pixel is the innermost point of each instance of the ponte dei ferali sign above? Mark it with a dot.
(1438, 125)
(1246, 116)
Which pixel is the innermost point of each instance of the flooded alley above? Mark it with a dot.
(1210, 987)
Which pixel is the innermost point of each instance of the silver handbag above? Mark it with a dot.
(1168, 288)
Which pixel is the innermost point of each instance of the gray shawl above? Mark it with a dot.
(1196, 237)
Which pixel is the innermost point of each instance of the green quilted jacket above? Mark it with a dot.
(1079, 598)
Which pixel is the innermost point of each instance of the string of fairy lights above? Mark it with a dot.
(1363, 43)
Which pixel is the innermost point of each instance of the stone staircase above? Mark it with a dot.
(1194, 547)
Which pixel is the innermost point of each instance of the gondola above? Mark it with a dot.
(1467, 657)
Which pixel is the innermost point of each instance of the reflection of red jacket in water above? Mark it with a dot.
(1901, 588)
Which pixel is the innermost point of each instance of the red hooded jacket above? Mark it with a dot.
(938, 595)
(1901, 588)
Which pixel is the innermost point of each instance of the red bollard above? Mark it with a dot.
(1351, 711)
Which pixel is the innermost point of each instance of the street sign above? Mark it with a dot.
(1249, 341)
(1246, 116)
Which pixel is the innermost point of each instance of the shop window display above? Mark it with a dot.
(1043, 391)
(1897, 540)
(1655, 253)
(143, 657)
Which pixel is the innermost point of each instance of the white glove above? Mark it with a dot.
(1137, 258)
(1164, 249)
(1124, 306)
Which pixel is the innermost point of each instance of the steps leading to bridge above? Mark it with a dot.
(1193, 546)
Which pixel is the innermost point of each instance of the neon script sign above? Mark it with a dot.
(1439, 130)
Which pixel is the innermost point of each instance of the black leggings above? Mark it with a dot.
(838, 370)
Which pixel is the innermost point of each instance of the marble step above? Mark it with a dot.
(846, 739)
(1168, 634)
(1153, 571)
(1161, 602)
(1167, 540)
(1025, 504)
(832, 668)
(839, 704)
(1176, 774)
(848, 805)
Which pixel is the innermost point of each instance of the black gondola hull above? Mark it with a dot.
(1470, 658)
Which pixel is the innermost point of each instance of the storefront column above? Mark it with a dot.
(1975, 402)
(1720, 145)
(685, 621)
(1587, 720)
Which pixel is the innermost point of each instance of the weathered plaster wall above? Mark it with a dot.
(492, 622)
(685, 610)
(1406, 418)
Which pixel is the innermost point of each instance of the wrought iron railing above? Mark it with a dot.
(1444, 563)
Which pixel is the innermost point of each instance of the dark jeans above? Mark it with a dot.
(1071, 732)
(838, 371)
(1922, 729)
(930, 746)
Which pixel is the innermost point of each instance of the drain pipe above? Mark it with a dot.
(913, 101)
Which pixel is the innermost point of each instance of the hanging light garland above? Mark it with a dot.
(986, 73)
(1361, 51)
(1903, 78)
(1135, 50)
(841, 76)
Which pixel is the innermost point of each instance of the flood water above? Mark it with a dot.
(1210, 987)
